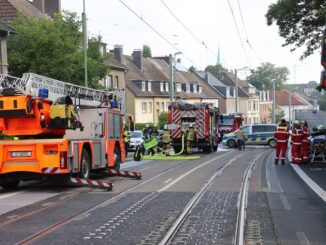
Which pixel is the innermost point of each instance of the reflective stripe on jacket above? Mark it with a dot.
(281, 134)
(296, 137)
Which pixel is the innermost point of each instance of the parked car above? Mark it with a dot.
(136, 139)
(255, 134)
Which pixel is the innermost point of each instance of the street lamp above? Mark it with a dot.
(85, 41)
(236, 87)
(171, 64)
(274, 102)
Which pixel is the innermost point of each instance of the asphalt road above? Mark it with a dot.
(281, 207)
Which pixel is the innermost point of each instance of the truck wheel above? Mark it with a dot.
(85, 165)
(10, 185)
(272, 143)
(214, 147)
(176, 149)
(207, 149)
(117, 158)
(231, 143)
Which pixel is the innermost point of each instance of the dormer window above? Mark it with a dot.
(188, 88)
(200, 89)
(194, 88)
(143, 88)
(166, 87)
(161, 86)
(149, 84)
(178, 87)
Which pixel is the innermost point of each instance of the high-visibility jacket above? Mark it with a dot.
(166, 138)
(296, 137)
(126, 137)
(281, 134)
(306, 134)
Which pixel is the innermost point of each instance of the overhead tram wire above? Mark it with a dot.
(246, 33)
(184, 26)
(239, 35)
(157, 32)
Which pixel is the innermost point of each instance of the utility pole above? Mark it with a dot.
(85, 42)
(274, 102)
(171, 77)
(236, 91)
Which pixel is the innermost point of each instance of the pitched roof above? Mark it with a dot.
(282, 98)
(10, 8)
(114, 63)
(157, 70)
(5, 29)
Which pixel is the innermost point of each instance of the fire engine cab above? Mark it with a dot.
(228, 123)
(202, 117)
(53, 128)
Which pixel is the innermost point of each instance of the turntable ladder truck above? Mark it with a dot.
(53, 129)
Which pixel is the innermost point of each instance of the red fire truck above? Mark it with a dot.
(51, 129)
(202, 117)
(228, 123)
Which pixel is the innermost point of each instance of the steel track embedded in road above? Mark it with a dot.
(239, 235)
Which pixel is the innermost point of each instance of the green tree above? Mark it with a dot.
(162, 119)
(263, 76)
(147, 52)
(52, 48)
(300, 22)
(216, 70)
(192, 69)
(278, 115)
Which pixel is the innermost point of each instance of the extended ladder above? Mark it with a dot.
(31, 83)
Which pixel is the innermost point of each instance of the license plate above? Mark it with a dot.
(21, 154)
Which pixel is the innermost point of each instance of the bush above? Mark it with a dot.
(141, 126)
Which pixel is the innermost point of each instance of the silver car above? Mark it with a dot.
(136, 139)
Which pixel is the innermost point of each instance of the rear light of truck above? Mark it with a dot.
(63, 160)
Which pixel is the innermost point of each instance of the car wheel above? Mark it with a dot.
(85, 165)
(231, 144)
(272, 143)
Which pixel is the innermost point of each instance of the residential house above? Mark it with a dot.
(265, 107)
(38, 8)
(282, 98)
(148, 87)
(5, 30)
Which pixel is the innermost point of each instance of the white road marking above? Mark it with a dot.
(190, 171)
(271, 177)
(12, 194)
(302, 238)
(312, 184)
(167, 181)
(285, 202)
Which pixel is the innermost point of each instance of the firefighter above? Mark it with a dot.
(296, 142)
(126, 139)
(153, 141)
(305, 142)
(166, 139)
(190, 138)
(281, 136)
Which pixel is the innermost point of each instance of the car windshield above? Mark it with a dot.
(135, 134)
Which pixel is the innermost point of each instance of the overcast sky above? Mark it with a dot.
(210, 21)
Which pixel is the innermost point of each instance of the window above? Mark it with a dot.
(245, 129)
(200, 89)
(188, 88)
(143, 107)
(161, 86)
(108, 82)
(116, 82)
(178, 87)
(167, 87)
(150, 107)
(149, 84)
(249, 105)
(194, 88)
(143, 86)
(162, 106)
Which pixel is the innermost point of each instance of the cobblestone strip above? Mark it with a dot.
(113, 223)
(212, 221)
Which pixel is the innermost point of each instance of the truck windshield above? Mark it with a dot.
(226, 120)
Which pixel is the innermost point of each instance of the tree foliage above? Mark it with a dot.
(263, 76)
(192, 69)
(216, 70)
(300, 22)
(53, 48)
(147, 52)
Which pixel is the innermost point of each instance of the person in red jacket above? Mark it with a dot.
(281, 136)
(305, 142)
(296, 142)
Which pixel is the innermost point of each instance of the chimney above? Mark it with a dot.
(206, 76)
(49, 7)
(137, 57)
(118, 52)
